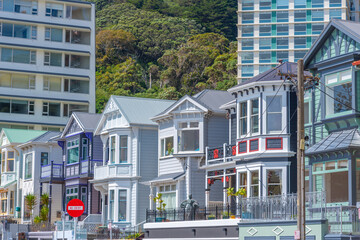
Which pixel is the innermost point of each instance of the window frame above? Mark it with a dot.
(28, 166)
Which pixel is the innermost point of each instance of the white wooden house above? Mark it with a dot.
(129, 140)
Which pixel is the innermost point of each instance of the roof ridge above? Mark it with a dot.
(142, 98)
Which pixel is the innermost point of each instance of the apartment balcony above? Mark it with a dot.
(112, 171)
(221, 154)
(52, 172)
(84, 168)
(7, 178)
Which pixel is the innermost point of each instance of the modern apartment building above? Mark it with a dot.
(273, 30)
(47, 69)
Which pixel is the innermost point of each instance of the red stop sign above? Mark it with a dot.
(75, 208)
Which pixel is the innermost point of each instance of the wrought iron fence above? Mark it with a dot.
(343, 219)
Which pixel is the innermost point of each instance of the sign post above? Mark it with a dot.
(75, 208)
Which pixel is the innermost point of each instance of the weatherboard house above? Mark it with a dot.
(130, 147)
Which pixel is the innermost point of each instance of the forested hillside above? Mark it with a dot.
(164, 48)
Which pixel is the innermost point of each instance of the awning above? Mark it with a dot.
(165, 178)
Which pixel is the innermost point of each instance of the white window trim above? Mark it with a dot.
(116, 204)
(201, 133)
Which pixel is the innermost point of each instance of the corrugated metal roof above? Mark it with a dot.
(140, 110)
(213, 99)
(46, 137)
(336, 141)
(88, 121)
(20, 135)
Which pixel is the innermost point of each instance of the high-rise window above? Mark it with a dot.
(282, 43)
(77, 61)
(300, 16)
(19, 6)
(265, 30)
(282, 16)
(282, 4)
(17, 81)
(300, 29)
(282, 29)
(247, 70)
(70, 108)
(52, 59)
(265, 17)
(247, 31)
(18, 55)
(299, 55)
(52, 84)
(17, 106)
(263, 68)
(335, 3)
(54, 10)
(76, 86)
(18, 30)
(265, 43)
(247, 57)
(300, 42)
(248, 17)
(79, 13)
(316, 28)
(77, 37)
(51, 109)
(247, 44)
(54, 34)
(265, 4)
(282, 55)
(265, 57)
(247, 5)
(317, 15)
(335, 13)
(317, 3)
(300, 3)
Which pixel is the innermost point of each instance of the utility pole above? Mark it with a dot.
(300, 152)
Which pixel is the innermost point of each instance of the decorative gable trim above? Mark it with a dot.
(72, 126)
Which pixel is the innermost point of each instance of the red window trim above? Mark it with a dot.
(257, 146)
(274, 148)
(239, 147)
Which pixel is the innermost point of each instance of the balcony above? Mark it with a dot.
(7, 178)
(113, 171)
(221, 154)
(52, 172)
(84, 168)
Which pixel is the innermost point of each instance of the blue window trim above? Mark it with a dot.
(265, 47)
(247, 48)
(317, 19)
(265, 21)
(300, 33)
(283, 33)
(247, 61)
(282, 20)
(264, 34)
(300, 46)
(247, 34)
(282, 47)
(247, 21)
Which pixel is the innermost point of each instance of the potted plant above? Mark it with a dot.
(160, 207)
(211, 217)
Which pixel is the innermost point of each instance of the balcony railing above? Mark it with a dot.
(220, 154)
(112, 170)
(7, 177)
(52, 170)
(87, 168)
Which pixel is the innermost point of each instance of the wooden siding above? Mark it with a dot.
(170, 165)
(197, 182)
(73, 128)
(233, 129)
(95, 201)
(97, 148)
(164, 125)
(218, 131)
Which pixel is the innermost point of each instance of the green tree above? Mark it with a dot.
(30, 201)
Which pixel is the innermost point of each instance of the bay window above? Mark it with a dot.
(10, 161)
(338, 89)
(122, 205)
(243, 119)
(243, 181)
(83, 196)
(28, 165)
(168, 195)
(254, 183)
(3, 202)
(274, 114)
(73, 151)
(85, 149)
(3, 159)
(188, 136)
(123, 147)
(274, 182)
(44, 158)
(167, 146)
(254, 115)
(112, 149)
(111, 205)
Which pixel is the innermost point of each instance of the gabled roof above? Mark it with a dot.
(350, 28)
(44, 138)
(21, 135)
(207, 100)
(339, 140)
(86, 121)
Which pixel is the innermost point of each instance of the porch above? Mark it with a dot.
(222, 154)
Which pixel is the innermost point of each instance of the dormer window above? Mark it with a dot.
(338, 93)
(188, 136)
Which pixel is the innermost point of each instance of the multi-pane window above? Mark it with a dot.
(52, 84)
(254, 184)
(17, 81)
(300, 16)
(247, 31)
(300, 29)
(247, 57)
(10, 161)
(335, 13)
(338, 92)
(54, 10)
(77, 61)
(273, 114)
(300, 3)
(3, 202)
(254, 122)
(247, 70)
(282, 29)
(76, 86)
(77, 37)
(307, 113)
(18, 55)
(28, 165)
(52, 59)
(111, 204)
(167, 146)
(299, 55)
(264, 57)
(122, 205)
(123, 147)
(265, 17)
(18, 30)
(263, 68)
(264, 30)
(44, 158)
(247, 44)
(79, 13)
(73, 151)
(112, 149)
(243, 118)
(300, 42)
(17, 106)
(317, 3)
(85, 149)
(70, 108)
(265, 43)
(243, 180)
(282, 43)
(282, 4)
(168, 195)
(282, 16)
(248, 17)
(274, 182)
(51, 109)
(54, 34)
(72, 193)
(247, 5)
(282, 55)
(317, 15)
(265, 4)
(316, 28)
(188, 136)
(3, 159)
(83, 196)
(335, 3)
(20, 6)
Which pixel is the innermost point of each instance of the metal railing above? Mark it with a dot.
(220, 154)
(343, 219)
